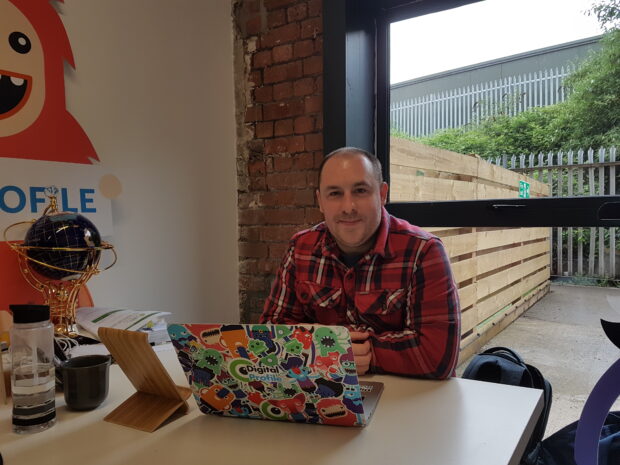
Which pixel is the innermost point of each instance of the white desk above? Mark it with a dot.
(455, 422)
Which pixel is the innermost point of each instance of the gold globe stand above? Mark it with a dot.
(61, 295)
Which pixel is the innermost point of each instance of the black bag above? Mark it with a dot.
(559, 448)
(504, 366)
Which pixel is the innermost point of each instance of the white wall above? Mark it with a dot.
(153, 89)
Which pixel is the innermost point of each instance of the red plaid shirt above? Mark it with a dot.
(401, 291)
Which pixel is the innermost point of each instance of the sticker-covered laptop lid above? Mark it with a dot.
(298, 373)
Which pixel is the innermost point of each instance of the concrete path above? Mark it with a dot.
(562, 336)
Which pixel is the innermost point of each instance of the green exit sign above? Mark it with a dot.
(524, 190)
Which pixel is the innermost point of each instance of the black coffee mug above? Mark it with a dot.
(85, 381)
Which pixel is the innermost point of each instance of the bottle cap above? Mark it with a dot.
(30, 313)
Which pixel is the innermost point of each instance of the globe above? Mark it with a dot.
(65, 230)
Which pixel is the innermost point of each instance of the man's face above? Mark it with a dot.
(350, 197)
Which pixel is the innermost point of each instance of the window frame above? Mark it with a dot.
(356, 113)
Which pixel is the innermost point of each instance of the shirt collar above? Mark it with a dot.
(327, 246)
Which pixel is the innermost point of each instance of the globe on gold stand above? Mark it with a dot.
(60, 252)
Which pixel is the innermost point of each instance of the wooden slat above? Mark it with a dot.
(490, 305)
(467, 295)
(495, 260)
(504, 278)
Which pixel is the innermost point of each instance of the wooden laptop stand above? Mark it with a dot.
(157, 397)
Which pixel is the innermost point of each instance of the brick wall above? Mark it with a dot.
(279, 99)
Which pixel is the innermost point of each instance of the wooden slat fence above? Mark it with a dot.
(583, 252)
(424, 115)
(500, 272)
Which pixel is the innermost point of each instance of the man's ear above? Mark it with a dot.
(318, 199)
(384, 192)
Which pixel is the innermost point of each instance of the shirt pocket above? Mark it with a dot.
(323, 304)
(382, 302)
(384, 310)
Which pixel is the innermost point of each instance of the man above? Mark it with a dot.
(389, 282)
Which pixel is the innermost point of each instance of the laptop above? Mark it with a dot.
(298, 373)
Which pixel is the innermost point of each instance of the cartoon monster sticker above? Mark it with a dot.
(304, 336)
(217, 397)
(328, 341)
(34, 121)
(283, 331)
(234, 338)
(180, 336)
(293, 347)
(210, 359)
(333, 412)
(293, 406)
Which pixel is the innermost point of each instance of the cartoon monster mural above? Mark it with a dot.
(34, 121)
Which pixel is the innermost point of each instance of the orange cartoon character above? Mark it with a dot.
(234, 338)
(217, 397)
(34, 121)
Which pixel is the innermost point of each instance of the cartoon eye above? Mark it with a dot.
(19, 42)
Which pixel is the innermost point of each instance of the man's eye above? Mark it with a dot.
(361, 190)
(333, 194)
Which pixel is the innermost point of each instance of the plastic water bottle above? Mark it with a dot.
(33, 380)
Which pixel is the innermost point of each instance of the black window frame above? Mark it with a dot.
(356, 113)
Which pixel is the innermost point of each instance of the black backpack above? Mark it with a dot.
(505, 366)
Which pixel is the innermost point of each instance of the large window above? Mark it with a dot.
(441, 100)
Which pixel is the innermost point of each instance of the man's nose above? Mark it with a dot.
(348, 203)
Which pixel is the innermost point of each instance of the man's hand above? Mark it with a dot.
(361, 351)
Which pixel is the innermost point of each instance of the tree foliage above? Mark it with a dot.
(589, 117)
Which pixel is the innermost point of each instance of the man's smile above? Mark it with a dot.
(14, 90)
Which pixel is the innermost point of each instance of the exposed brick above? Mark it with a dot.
(253, 26)
(318, 159)
(297, 12)
(281, 164)
(278, 249)
(276, 18)
(318, 44)
(303, 48)
(304, 161)
(268, 265)
(273, 4)
(313, 65)
(303, 87)
(256, 146)
(315, 7)
(282, 91)
(284, 145)
(250, 233)
(304, 197)
(285, 216)
(319, 122)
(313, 215)
(256, 78)
(264, 129)
(286, 180)
(251, 217)
(258, 184)
(280, 35)
(263, 94)
(252, 282)
(285, 72)
(311, 178)
(283, 128)
(253, 113)
(262, 59)
(277, 199)
(314, 141)
(256, 168)
(318, 84)
(303, 124)
(249, 266)
(311, 28)
(313, 104)
(283, 110)
(282, 53)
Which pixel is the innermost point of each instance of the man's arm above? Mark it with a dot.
(282, 307)
(429, 344)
